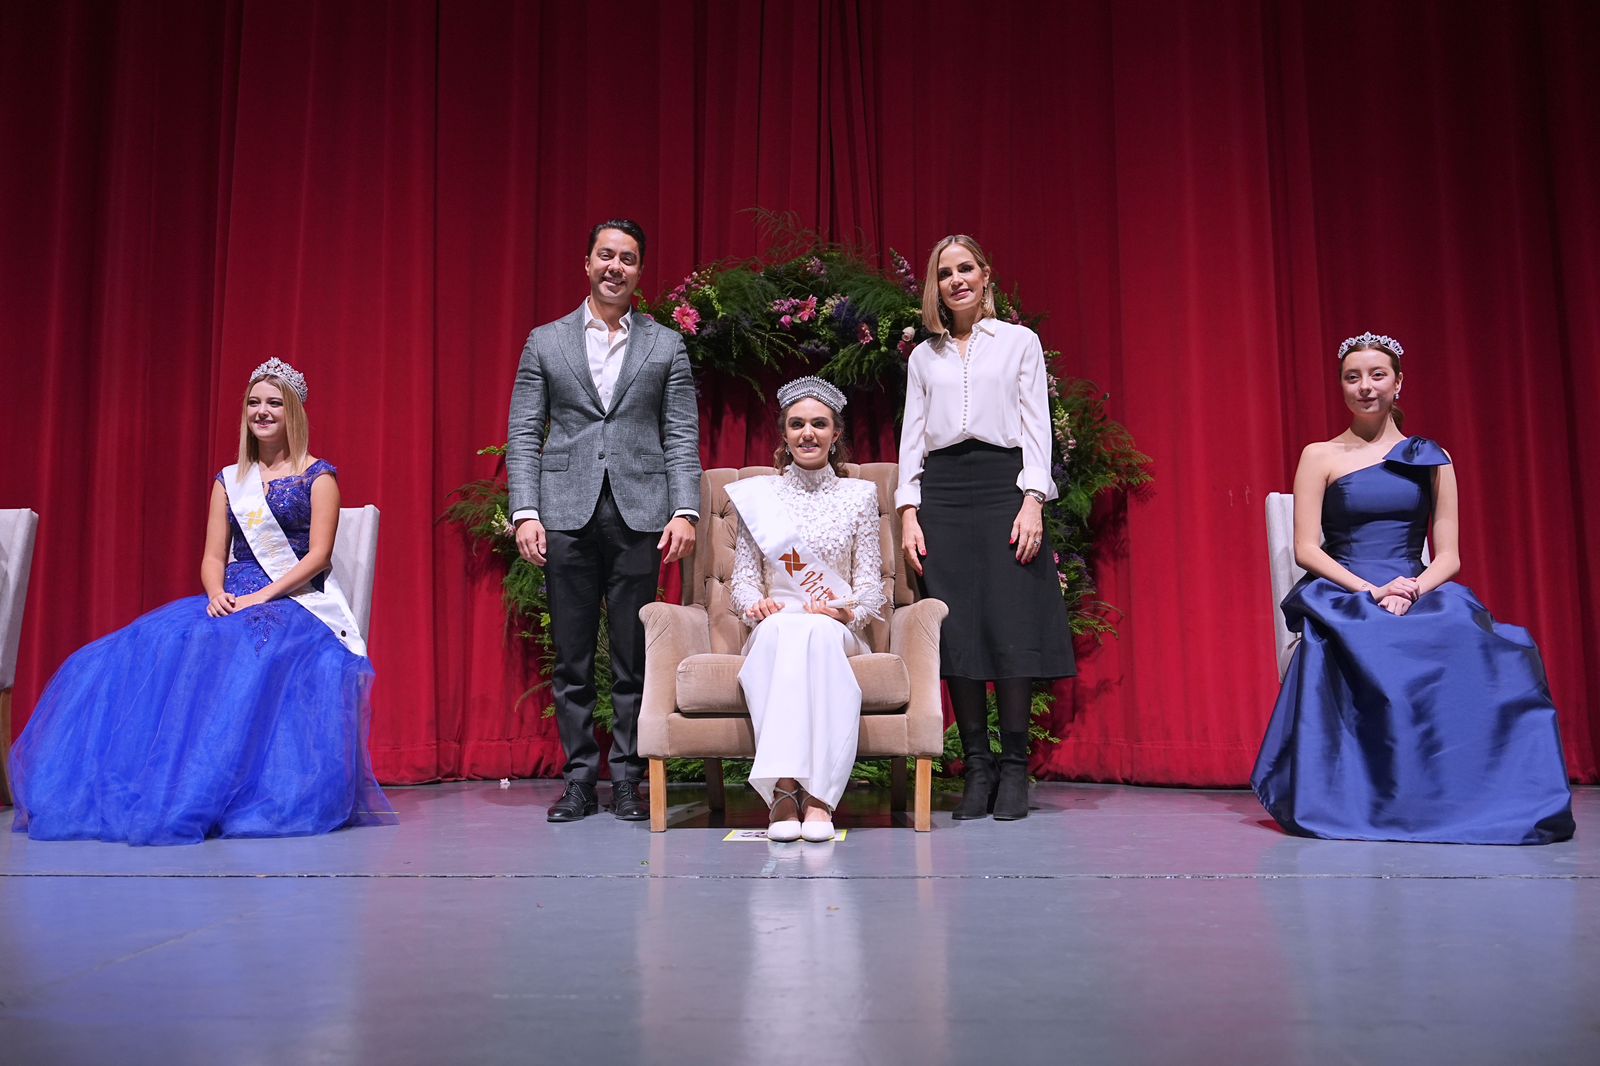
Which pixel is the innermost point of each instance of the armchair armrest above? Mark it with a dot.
(914, 636)
(672, 633)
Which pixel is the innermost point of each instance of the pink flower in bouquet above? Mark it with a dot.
(864, 333)
(687, 318)
(807, 310)
(786, 321)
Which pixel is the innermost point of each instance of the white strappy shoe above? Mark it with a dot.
(788, 829)
(815, 832)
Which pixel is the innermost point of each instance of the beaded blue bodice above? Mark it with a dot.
(290, 501)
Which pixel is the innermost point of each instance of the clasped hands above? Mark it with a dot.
(1398, 595)
(768, 607)
(226, 603)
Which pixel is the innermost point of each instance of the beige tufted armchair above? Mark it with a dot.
(693, 706)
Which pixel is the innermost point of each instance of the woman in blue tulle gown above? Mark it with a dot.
(1408, 712)
(239, 713)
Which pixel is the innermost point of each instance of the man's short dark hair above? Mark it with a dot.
(626, 225)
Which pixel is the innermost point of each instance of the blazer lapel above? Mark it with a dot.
(641, 340)
(576, 351)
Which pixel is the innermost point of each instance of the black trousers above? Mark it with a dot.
(603, 561)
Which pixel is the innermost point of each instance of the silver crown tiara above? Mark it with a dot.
(812, 388)
(277, 368)
(1370, 340)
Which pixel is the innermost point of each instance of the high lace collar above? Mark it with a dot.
(810, 480)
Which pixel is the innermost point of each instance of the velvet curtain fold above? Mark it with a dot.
(1203, 199)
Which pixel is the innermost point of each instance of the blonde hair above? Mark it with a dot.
(933, 310)
(295, 426)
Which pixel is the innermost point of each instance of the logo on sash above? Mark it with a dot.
(800, 574)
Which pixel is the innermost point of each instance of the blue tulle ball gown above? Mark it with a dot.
(1436, 725)
(180, 726)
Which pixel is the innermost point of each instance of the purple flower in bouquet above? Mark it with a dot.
(902, 270)
(816, 267)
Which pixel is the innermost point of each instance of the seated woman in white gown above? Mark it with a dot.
(807, 576)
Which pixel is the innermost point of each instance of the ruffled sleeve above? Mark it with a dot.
(748, 586)
(866, 569)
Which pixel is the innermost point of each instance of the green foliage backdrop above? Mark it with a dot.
(808, 306)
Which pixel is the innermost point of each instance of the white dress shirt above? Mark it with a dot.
(607, 350)
(606, 354)
(997, 394)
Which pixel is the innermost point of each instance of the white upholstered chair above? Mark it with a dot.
(17, 531)
(355, 560)
(1285, 571)
(693, 707)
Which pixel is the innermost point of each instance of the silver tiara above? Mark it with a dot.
(1370, 340)
(812, 388)
(277, 368)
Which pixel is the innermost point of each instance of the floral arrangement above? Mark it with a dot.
(807, 306)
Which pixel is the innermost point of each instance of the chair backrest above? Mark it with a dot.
(1285, 571)
(17, 531)
(708, 572)
(355, 560)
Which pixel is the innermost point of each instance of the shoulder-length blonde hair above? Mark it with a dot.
(935, 316)
(295, 426)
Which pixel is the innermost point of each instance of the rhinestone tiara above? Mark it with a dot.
(812, 388)
(277, 368)
(1370, 340)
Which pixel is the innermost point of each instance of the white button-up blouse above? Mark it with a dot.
(997, 394)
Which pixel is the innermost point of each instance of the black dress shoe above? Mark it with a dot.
(578, 801)
(626, 803)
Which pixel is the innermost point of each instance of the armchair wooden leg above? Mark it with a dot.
(922, 817)
(5, 746)
(716, 795)
(897, 784)
(658, 795)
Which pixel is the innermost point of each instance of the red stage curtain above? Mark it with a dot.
(1203, 198)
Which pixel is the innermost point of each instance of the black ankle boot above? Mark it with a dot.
(1011, 801)
(977, 795)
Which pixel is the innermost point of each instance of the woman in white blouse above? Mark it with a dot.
(807, 576)
(974, 478)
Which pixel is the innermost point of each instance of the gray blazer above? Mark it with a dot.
(562, 444)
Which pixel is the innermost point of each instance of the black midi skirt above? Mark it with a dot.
(1006, 620)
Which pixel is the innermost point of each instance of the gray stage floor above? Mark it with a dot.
(1114, 925)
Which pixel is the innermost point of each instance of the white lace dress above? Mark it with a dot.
(804, 702)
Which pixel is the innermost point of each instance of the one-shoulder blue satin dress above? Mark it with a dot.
(180, 726)
(1436, 725)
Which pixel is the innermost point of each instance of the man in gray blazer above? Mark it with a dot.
(604, 467)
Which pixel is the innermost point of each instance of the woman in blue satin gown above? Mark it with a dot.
(237, 713)
(1408, 713)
